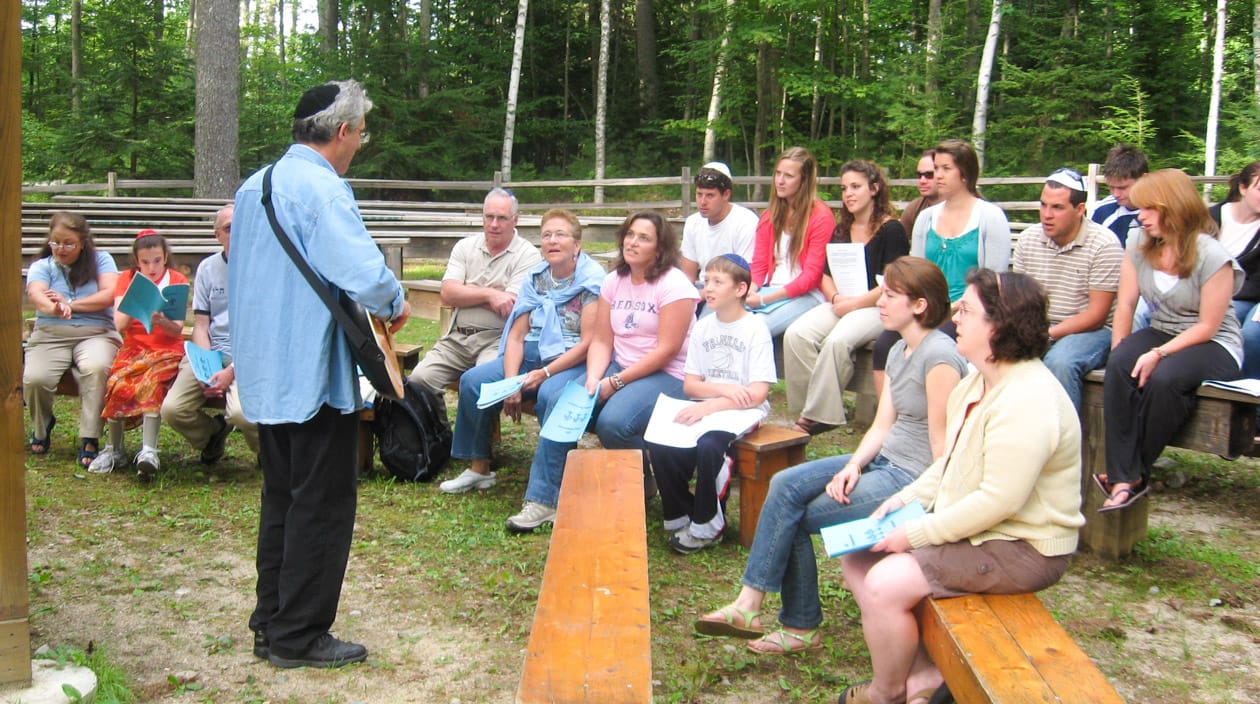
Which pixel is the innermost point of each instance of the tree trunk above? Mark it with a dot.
(761, 130)
(933, 48)
(76, 55)
(815, 109)
(715, 98)
(329, 17)
(1255, 48)
(980, 123)
(645, 49)
(514, 84)
(280, 38)
(216, 169)
(601, 95)
(426, 23)
(1214, 107)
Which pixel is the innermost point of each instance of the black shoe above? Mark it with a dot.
(213, 450)
(326, 651)
(262, 648)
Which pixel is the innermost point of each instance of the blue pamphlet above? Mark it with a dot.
(143, 298)
(865, 532)
(493, 392)
(567, 421)
(769, 306)
(205, 363)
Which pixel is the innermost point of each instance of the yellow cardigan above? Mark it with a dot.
(1011, 468)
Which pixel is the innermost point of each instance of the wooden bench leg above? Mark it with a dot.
(367, 443)
(758, 457)
(1110, 535)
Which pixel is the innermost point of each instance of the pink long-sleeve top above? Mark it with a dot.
(817, 234)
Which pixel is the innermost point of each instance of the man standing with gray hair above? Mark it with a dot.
(296, 375)
(483, 276)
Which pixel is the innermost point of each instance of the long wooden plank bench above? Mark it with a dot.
(591, 637)
(1008, 649)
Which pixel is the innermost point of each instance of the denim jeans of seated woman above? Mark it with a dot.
(471, 440)
(619, 423)
(797, 506)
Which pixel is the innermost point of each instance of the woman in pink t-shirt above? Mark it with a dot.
(644, 316)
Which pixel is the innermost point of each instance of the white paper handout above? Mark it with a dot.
(1246, 386)
(662, 429)
(848, 267)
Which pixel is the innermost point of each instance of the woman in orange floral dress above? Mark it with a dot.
(146, 364)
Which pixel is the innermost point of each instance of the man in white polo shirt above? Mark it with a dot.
(1077, 262)
(718, 226)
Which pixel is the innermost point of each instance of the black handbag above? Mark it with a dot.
(370, 341)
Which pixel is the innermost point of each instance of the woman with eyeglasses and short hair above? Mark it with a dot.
(71, 286)
(641, 325)
(547, 334)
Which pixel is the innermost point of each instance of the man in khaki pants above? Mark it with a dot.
(184, 406)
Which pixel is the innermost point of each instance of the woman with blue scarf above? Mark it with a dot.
(545, 339)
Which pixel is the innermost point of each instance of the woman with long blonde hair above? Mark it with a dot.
(1178, 266)
(790, 247)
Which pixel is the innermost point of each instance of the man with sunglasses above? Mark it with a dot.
(1077, 262)
(718, 226)
(925, 181)
(483, 276)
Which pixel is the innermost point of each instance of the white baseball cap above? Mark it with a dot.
(720, 168)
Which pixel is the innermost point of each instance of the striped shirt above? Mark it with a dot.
(1091, 262)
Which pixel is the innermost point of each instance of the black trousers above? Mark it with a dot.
(673, 467)
(309, 499)
(1140, 422)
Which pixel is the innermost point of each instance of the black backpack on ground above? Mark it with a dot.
(413, 434)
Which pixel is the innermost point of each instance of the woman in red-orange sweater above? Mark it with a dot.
(791, 244)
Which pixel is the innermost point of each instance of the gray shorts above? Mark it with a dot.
(992, 567)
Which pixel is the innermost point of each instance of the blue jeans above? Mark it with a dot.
(780, 318)
(1071, 357)
(1245, 310)
(782, 555)
(619, 422)
(473, 425)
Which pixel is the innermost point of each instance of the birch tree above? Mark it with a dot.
(1214, 106)
(715, 98)
(514, 84)
(601, 95)
(980, 122)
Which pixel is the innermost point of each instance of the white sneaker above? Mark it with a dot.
(532, 515)
(468, 481)
(147, 464)
(105, 460)
(686, 543)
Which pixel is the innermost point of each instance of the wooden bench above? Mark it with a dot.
(758, 457)
(1008, 648)
(1223, 423)
(591, 637)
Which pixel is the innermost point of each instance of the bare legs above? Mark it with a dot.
(887, 587)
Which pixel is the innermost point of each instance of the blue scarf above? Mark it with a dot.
(587, 276)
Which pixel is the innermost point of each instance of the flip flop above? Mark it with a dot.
(1100, 481)
(85, 455)
(45, 444)
(856, 693)
(780, 638)
(727, 626)
(1134, 493)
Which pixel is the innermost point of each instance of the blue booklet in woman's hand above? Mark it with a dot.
(493, 392)
(143, 298)
(865, 532)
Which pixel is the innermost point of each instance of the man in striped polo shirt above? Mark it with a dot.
(1077, 263)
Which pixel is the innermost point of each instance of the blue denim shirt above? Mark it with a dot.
(290, 356)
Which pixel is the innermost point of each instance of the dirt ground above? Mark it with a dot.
(172, 613)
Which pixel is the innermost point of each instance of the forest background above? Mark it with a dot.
(168, 88)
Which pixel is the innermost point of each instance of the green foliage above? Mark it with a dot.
(846, 79)
(112, 686)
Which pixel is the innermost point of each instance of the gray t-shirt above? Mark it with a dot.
(210, 298)
(1176, 308)
(907, 444)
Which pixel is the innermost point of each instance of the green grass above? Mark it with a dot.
(445, 564)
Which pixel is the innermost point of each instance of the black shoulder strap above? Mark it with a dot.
(356, 336)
